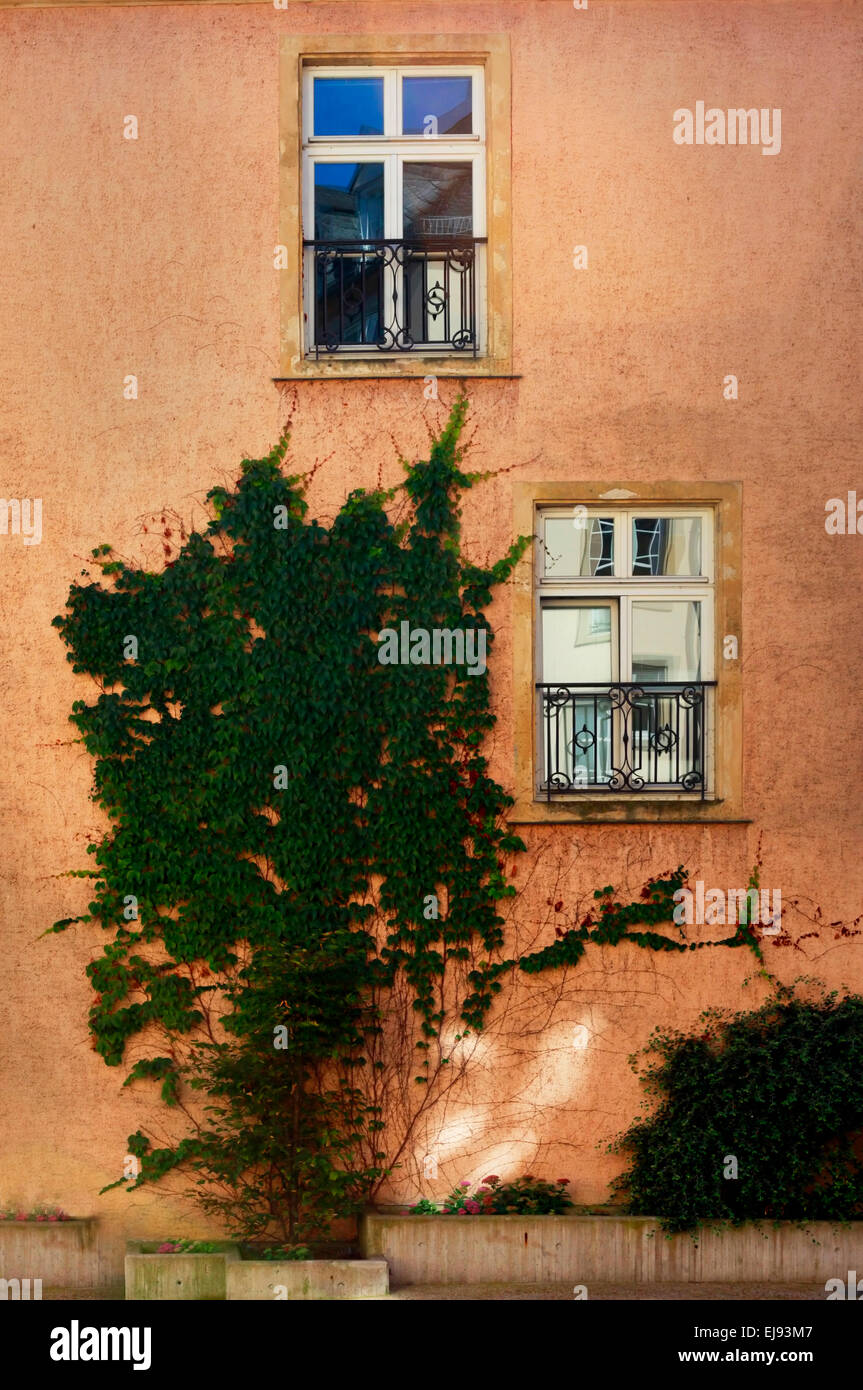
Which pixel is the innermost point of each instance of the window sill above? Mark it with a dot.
(417, 369)
(626, 811)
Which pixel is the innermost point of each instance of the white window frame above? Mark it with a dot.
(621, 589)
(393, 150)
(392, 104)
(393, 184)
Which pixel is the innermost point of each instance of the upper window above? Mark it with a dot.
(394, 200)
(625, 637)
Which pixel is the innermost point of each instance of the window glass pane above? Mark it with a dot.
(438, 199)
(350, 299)
(349, 202)
(666, 545)
(437, 106)
(666, 640)
(349, 105)
(577, 733)
(576, 726)
(576, 643)
(580, 546)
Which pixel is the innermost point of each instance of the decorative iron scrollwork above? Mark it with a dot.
(395, 296)
(624, 737)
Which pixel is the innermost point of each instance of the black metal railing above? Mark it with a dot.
(395, 296)
(633, 737)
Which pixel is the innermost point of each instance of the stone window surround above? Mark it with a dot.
(726, 802)
(492, 52)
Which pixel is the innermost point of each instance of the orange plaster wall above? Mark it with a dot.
(155, 258)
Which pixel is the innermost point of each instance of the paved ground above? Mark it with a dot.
(559, 1293)
(550, 1293)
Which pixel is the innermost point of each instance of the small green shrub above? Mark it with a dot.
(757, 1115)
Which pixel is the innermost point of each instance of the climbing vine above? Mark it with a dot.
(295, 824)
(611, 922)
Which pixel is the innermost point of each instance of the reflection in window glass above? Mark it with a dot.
(437, 106)
(666, 545)
(576, 649)
(666, 640)
(349, 105)
(350, 300)
(579, 546)
(349, 202)
(438, 199)
(576, 643)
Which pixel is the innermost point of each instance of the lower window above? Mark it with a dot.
(625, 636)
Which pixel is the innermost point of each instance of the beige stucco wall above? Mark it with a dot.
(155, 258)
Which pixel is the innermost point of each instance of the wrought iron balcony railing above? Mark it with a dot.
(396, 296)
(635, 737)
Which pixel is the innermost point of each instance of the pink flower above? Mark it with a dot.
(472, 1207)
(493, 1178)
(462, 1212)
(55, 1217)
(464, 1184)
(40, 1217)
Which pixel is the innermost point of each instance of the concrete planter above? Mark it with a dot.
(186, 1277)
(307, 1279)
(603, 1249)
(62, 1254)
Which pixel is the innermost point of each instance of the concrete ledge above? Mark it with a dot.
(607, 1249)
(307, 1279)
(152, 1277)
(63, 1254)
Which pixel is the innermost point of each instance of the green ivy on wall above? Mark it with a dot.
(294, 823)
(612, 922)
